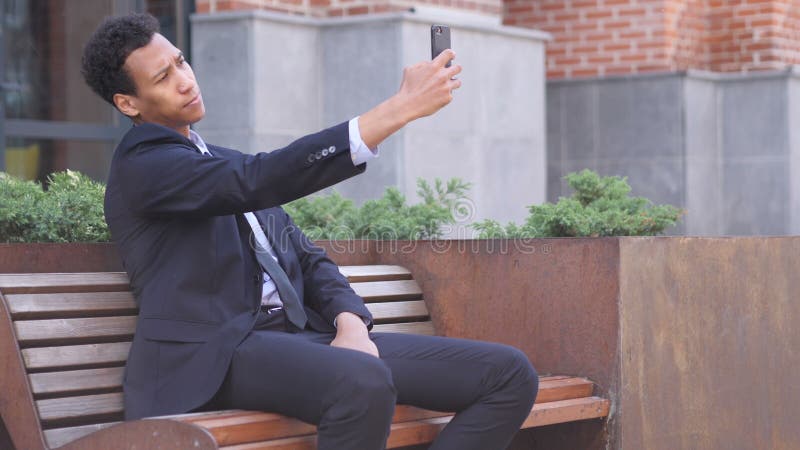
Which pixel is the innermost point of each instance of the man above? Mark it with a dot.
(238, 309)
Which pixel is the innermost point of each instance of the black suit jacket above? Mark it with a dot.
(172, 212)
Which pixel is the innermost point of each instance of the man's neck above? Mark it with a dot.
(184, 130)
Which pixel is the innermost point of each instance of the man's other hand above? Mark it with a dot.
(352, 333)
(426, 88)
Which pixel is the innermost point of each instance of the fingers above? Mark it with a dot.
(444, 57)
(453, 70)
(454, 84)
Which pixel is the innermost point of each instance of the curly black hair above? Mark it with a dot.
(107, 49)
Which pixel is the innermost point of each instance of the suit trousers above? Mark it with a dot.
(351, 395)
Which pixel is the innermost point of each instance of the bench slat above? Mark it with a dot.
(21, 283)
(75, 355)
(402, 435)
(395, 311)
(425, 430)
(236, 426)
(358, 274)
(38, 283)
(74, 330)
(62, 330)
(385, 291)
(562, 389)
(57, 409)
(46, 306)
(425, 328)
(73, 382)
(569, 410)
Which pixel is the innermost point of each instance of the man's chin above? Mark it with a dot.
(199, 116)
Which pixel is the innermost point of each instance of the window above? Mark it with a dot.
(49, 119)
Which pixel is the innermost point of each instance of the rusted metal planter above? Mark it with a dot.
(695, 340)
(103, 257)
(47, 257)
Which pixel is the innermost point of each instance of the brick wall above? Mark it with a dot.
(596, 37)
(611, 37)
(685, 34)
(607, 37)
(753, 35)
(334, 8)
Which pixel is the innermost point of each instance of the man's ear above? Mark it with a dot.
(126, 104)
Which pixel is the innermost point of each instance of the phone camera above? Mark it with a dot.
(438, 30)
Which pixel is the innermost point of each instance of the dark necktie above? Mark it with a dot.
(291, 302)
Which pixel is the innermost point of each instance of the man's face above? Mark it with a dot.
(166, 90)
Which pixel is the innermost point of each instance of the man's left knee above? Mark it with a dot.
(520, 372)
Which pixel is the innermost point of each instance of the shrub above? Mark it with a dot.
(600, 206)
(73, 209)
(19, 208)
(70, 210)
(333, 217)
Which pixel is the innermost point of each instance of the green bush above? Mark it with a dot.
(600, 206)
(332, 216)
(70, 210)
(19, 208)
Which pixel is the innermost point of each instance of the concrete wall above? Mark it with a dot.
(270, 78)
(794, 152)
(725, 147)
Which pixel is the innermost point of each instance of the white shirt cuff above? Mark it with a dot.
(358, 149)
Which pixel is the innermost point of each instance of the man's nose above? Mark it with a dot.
(186, 83)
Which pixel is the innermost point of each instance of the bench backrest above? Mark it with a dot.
(65, 340)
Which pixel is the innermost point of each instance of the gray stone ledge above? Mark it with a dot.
(790, 72)
(422, 16)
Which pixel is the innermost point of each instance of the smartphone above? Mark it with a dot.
(440, 40)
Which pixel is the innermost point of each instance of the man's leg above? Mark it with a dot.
(348, 394)
(491, 387)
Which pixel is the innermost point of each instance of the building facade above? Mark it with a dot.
(695, 101)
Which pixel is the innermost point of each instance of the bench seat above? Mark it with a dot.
(64, 339)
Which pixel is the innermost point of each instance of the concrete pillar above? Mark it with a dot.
(268, 78)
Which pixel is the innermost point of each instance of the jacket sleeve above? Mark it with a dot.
(175, 180)
(326, 290)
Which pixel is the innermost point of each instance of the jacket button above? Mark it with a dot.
(311, 158)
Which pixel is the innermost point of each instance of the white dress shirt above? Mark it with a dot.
(360, 154)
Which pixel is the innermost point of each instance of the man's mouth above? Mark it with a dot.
(194, 101)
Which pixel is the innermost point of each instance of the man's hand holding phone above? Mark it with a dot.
(426, 88)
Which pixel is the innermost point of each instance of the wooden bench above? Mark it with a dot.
(64, 339)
